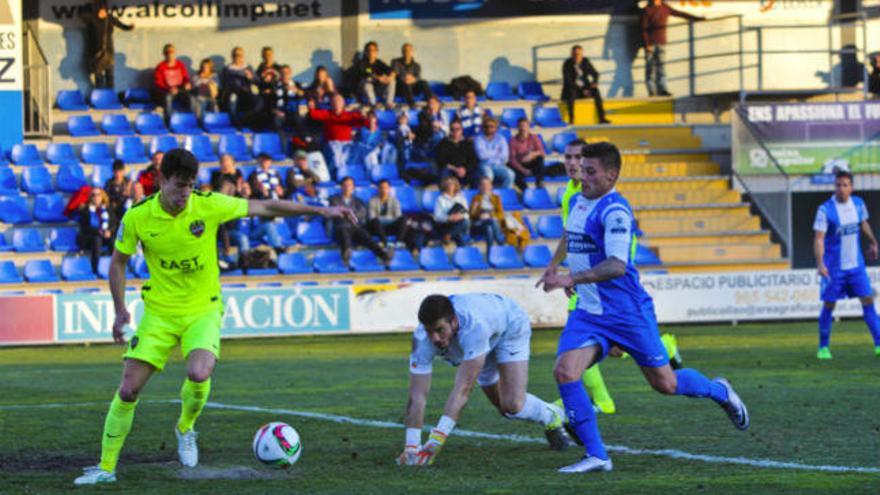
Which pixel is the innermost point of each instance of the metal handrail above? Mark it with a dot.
(37, 89)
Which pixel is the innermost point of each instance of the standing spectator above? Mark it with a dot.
(147, 181)
(171, 82)
(322, 87)
(284, 101)
(433, 126)
(874, 78)
(347, 233)
(471, 115)
(451, 213)
(487, 213)
(206, 87)
(229, 180)
(384, 215)
(653, 22)
(455, 156)
(269, 71)
(338, 126)
(99, 55)
(374, 77)
(526, 155)
(409, 76)
(301, 179)
(581, 80)
(236, 81)
(119, 190)
(95, 232)
(493, 153)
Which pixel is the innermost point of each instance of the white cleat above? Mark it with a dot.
(588, 464)
(94, 475)
(187, 449)
(735, 407)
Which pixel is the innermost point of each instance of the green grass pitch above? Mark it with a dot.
(803, 410)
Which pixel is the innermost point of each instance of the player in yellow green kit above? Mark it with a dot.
(177, 229)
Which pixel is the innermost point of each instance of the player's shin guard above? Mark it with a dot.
(116, 428)
(193, 395)
(692, 383)
(825, 326)
(534, 410)
(870, 315)
(582, 418)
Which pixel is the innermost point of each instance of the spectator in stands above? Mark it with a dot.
(487, 213)
(284, 101)
(264, 181)
(433, 126)
(95, 231)
(269, 71)
(404, 141)
(455, 156)
(346, 233)
(653, 22)
(229, 180)
(374, 77)
(236, 84)
(322, 86)
(384, 214)
(171, 83)
(147, 181)
(301, 179)
(493, 154)
(409, 76)
(581, 80)
(338, 127)
(370, 147)
(119, 191)
(451, 213)
(526, 155)
(206, 87)
(99, 55)
(874, 78)
(471, 115)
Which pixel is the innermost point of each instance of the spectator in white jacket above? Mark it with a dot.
(493, 153)
(451, 213)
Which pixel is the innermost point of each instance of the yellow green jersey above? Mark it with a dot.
(571, 189)
(180, 251)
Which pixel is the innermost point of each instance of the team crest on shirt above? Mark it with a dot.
(197, 228)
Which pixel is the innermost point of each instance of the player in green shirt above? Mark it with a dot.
(177, 228)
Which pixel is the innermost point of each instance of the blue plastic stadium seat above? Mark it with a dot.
(28, 241)
(61, 154)
(138, 266)
(218, 123)
(49, 208)
(40, 271)
(356, 172)
(115, 124)
(561, 140)
(412, 117)
(549, 117)
(70, 177)
(312, 232)
(292, 263)
(429, 199)
(538, 199)
(70, 100)
(363, 260)
(14, 210)
(163, 143)
(387, 119)
(104, 268)
(185, 123)
(504, 258)
(25, 154)
(386, 171)
(402, 261)
(235, 145)
(138, 99)
(531, 90)
(270, 144)
(364, 193)
(500, 91)
(329, 261)
(4, 246)
(509, 199)
(150, 124)
(200, 146)
(82, 126)
(8, 273)
(8, 181)
(406, 195)
(511, 115)
(36, 180)
(469, 258)
(287, 237)
(96, 154)
(105, 99)
(439, 90)
(130, 149)
(645, 256)
(63, 239)
(537, 255)
(77, 268)
(550, 226)
(100, 175)
(434, 259)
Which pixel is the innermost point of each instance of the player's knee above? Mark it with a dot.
(129, 392)
(510, 407)
(199, 374)
(565, 373)
(665, 385)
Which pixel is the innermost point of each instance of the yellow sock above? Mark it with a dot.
(194, 396)
(598, 392)
(116, 428)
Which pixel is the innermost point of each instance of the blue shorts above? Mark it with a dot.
(638, 335)
(845, 284)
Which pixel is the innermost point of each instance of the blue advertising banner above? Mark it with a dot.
(445, 9)
(249, 313)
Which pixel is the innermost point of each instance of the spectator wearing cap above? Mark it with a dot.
(409, 76)
(348, 234)
(526, 155)
(339, 125)
(493, 153)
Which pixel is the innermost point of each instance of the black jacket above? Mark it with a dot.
(99, 36)
(461, 154)
(357, 206)
(570, 77)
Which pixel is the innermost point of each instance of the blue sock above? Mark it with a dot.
(692, 383)
(825, 326)
(870, 315)
(582, 417)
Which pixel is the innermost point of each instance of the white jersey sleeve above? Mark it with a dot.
(422, 356)
(618, 233)
(821, 222)
(474, 336)
(863, 213)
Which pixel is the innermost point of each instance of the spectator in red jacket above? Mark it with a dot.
(147, 181)
(653, 23)
(171, 82)
(338, 127)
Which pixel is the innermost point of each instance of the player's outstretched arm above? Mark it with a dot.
(872, 246)
(117, 289)
(419, 386)
(279, 208)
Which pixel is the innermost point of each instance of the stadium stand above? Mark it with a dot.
(532, 91)
(130, 149)
(70, 101)
(115, 124)
(8, 181)
(184, 123)
(138, 99)
(104, 99)
(469, 258)
(25, 154)
(40, 270)
(500, 91)
(77, 269)
(504, 258)
(70, 177)
(9, 273)
(150, 124)
(36, 180)
(61, 154)
(96, 153)
(218, 123)
(82, 126)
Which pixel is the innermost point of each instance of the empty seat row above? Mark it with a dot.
(542, 116)
(73, 269)
(29, 240)
(47, 208)
(104, 99)
(150, 124)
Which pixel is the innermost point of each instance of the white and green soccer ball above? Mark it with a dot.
(277, 444)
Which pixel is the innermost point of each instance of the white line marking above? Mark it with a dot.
(671, 453)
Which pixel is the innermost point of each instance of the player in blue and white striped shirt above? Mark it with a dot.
(837, 246)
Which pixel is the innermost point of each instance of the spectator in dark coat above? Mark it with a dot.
(433, 126)
(95, 231)
(99, 23)
(119, 191)
(874, 78)
(653, 24)
(409, 76)
(346, 233)
(581, 80)
(456, 156)
(236, 81)
(374, 77)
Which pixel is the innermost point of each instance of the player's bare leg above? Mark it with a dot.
(193, 395)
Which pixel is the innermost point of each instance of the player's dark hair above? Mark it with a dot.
(840, 173)
(605, 152)
(179, 163)
(435, 307)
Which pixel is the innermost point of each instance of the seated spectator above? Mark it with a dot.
(237, 81)
(229, 180)
(493, 153)
(526, 155)
(471, 115)
(301, 179)
(369, 143)
(95, 232)
(147, 181)
(384, 215)
(455, 156)
(409, 76)
(346, 233)
(322, 87)
(206, 87)
(581, 80)
(338, 126)
(404, 142)
(265, 183)
(451, 213)
(374, 77)
(171, 83)
(119, 191)
(487, 214)
(284, 101)
(874, 78)
(433, 127)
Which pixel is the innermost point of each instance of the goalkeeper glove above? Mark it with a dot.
(435, 442)
(409, 457)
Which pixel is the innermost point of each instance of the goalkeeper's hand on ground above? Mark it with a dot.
(409, 456)
(432, 447)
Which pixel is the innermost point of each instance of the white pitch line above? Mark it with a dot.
(671, 453)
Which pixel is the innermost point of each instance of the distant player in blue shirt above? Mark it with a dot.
(837, 246)
(613, 309)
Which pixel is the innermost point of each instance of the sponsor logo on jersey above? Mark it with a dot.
(849, 229)
(188, 265)
(197, 228)
(581, 243)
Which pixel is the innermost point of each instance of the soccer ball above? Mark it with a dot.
(277, 444)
